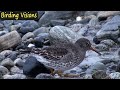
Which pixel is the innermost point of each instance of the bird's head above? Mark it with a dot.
(85, 44)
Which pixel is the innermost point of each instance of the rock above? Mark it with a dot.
(87, 76)
(102, 47)
(83, 31)
(27, 36)
(3, 33)
(45, 20)
(100, 74)
(19, 62)
(15, 76)
(9, 40)
(104, 14)
(12, 55)
(88, 13)
(58, 22)
(115, 75)
(119, 52)
(93, 22)
(8, 63)
(42, 39)
(44, 76)
(1, 26)
(15, 27)
(2, 57)
(40, 13)
(110, 29)
(8, 23)
(6, 52)
(76, 27)
(33, 67)
(95, 67)
(16, 22)
(62, 34)
(4, 70)
(108, 42)
(118, 40)
(16, 70)
(41, 30)
(28, 26)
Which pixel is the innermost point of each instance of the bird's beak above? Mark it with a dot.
(91, 48)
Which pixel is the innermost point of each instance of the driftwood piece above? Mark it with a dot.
(9, 40)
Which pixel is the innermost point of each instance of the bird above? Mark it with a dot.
(64, 56)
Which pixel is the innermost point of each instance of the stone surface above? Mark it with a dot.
(33, 67)
(76, 27)
(58, 22)
(19, 62)
(2, 57)
(44, 76)
(115, 75)
(42, 39)
(108, 42)
(41, 30)
(8, 63)
(4, 70)
(95, 67)
(15, 76)
(62, 34)
(54, 15)
(28, 26)
(105, 14)
(27, 36)
(9, 40)
(16, 70)
(100, 74)
(102, 47)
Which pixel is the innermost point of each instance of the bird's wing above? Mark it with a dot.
(52, 53)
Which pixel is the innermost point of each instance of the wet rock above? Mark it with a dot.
(93, 22)
(100, 74)
(16, 70)
(108, 42)
(76, 27)
(58, 22)
(6, 52)
(102, 47)
(83, 31)
(87, 76)
(40, 13)
(44, 76)
(95, 67)
(27, 36)
(28, 26)
(88, 13)
(2, 57)
(3, 33)
(9, 40)
(41, 30)
(15, 76)
(104, 14)
(15, 27)
(12, 55)
(8, 23)
(109, 29)
(54, 15)
(42, 39)
(19, 62)
(8, 63)
(33, 67)
(62, 34)
(115, 75)
(3, 70)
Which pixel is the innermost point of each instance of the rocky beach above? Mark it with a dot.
(102, 28)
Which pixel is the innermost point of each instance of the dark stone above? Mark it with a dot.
(28, 26)
(58, 22)
(42, 39)
(95, 40)
(12, 56)
(32, 67)
(44, 76)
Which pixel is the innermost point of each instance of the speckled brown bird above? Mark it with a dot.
(63, 57)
